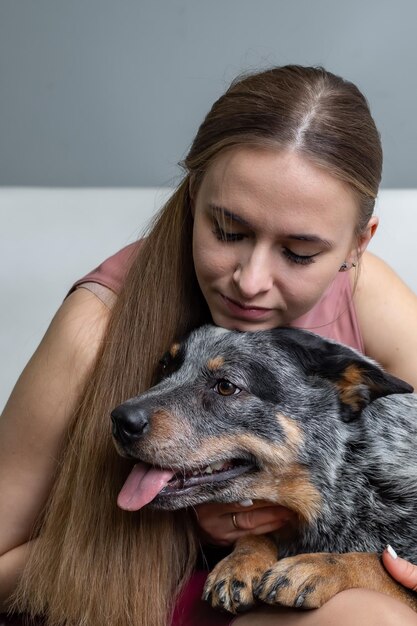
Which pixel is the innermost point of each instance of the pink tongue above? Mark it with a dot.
(142, 485)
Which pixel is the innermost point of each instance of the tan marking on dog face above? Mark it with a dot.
(292, 489)
(292, 431)
(268, 453)
(166, 426)
(172, 442)
(174, 350)
(297, 492)
(215, 364)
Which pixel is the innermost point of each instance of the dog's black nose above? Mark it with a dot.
(129, 423)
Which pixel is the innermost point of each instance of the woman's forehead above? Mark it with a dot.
(254, 183)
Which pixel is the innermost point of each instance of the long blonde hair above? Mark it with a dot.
(92, 563)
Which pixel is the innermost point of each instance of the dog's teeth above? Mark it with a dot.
(209, 469)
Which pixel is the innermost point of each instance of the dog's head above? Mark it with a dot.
(242, 415)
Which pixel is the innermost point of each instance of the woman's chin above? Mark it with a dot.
(243, 325)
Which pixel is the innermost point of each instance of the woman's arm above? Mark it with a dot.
(387, 315)
(34, 422)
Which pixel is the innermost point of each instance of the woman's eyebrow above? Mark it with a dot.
(229, 215)
(313, 238)
(225, 213)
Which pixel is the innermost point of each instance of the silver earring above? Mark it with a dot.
(346, 266)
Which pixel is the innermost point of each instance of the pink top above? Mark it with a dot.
(333, 317)
(112, 272)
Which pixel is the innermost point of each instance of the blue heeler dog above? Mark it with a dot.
(285, 416)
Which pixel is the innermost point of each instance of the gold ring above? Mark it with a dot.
(234, 521)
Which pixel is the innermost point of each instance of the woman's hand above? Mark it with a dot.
(223, 524)
(403, 571)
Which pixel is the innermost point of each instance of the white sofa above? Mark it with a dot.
(51, 237)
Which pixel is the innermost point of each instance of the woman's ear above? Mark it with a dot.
(363, 239)
(366, 236)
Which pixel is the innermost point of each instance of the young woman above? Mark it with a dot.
(268, 228)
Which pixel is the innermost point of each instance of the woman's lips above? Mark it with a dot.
(243, 311)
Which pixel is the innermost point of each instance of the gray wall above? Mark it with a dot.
(110, 93)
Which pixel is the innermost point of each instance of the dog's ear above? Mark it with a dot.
(359, 380)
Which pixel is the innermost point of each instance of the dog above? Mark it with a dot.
(286, 416)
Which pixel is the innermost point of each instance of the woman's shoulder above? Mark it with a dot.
(111, 273)
(107, 279)
(387, 313)
(378, 285)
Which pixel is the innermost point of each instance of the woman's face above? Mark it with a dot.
(271, 231)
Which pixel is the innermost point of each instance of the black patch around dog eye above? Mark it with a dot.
(168, 365)
(263, 384)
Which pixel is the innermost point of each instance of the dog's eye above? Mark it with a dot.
(164, 368)
(226, 388)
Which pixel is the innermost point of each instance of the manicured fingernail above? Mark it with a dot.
(246, 502)
(391, 551)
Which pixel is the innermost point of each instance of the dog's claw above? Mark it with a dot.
(300, 600)
(299, 582)
(225, 590)
(206, 596)
(237, 586)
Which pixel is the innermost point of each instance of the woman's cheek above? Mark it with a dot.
(213, 262)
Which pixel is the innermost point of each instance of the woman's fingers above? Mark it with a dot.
(403, 571)
(225, 523)
(256, 519)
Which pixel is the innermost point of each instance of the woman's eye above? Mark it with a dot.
(299, 258)
(223, 235)
(226, 388)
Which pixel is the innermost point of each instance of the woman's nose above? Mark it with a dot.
(253, 275)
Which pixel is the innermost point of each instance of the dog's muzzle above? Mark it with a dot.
(129, 423)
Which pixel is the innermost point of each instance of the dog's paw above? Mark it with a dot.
(230, 585)
(304, 581)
